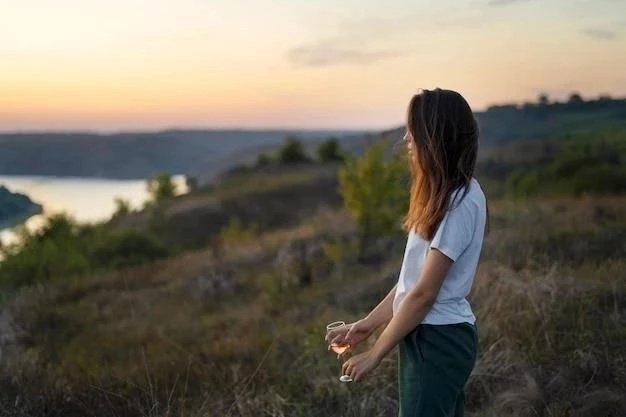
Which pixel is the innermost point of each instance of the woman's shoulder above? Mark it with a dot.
(471, 195)
(476, 189)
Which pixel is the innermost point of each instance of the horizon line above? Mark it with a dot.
(230, 128)
(113, 132)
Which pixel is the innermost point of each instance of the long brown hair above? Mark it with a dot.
(442, 136)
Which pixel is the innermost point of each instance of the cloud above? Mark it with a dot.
(503, 2)
(367, 40)
(600, 34)
(325, 53)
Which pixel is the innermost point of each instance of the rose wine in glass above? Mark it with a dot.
(339, 348)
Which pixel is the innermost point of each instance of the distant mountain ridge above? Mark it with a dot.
(502, 124)
(136, 155)
(205, 153)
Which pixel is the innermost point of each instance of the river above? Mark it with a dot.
(85, 199)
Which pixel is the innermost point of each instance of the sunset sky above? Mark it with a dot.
(148, 64)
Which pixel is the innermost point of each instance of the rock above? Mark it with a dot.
(301, 262)
(319, 264)
(291, 264)
(215, 283)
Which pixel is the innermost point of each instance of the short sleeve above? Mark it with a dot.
(455, 232)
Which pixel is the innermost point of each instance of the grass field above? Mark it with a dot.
(242, 334)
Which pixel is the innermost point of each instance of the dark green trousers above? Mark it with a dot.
(434, 366)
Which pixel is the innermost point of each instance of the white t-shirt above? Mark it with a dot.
(460, 238)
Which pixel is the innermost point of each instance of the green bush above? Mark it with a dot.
(63, 248)
(263, 160)
(374, 188)
(330, 151)
(126, 248)
(579, 168)
(122, 207)
(292, 152)
(55, 250)
(161, 187)
(604, 179)
(238, 232)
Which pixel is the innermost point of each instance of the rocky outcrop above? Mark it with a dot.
(214, 283)
(301, 262)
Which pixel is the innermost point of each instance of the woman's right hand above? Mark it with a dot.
(352, 334)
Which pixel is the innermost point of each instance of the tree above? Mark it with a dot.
(122, 207)
(161, 187)
(191, 182)
(330, 151)
(263, 160)
(375, 191)
(59, 249)
(292, 152)
(544, 100)
(58, 226)
(575, 98)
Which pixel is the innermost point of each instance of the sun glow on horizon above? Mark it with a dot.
(96, 65)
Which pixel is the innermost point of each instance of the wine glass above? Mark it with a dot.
(339, 348)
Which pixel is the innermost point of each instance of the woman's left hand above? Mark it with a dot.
(358, 366)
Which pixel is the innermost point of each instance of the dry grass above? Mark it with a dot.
(142, 342)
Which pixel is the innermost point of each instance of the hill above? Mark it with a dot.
(503, 124)
(214, 304)
(543, 121)
(205, 153)
(137, 155)
(14, 207)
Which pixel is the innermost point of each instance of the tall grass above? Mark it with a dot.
(144, 341)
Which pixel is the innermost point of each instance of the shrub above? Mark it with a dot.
(57, 249)
(63, 248)
(126, 248)
(263, 160)
(579, 168)
(330, 151)
(238, 232)
(292, 152)
(161, 187)
(122, 207)
(375, 191)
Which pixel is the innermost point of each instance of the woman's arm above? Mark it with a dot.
(383, 312)
(410, 314)
(360, 330)
(416, 304)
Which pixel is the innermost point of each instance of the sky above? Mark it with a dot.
(151, 64)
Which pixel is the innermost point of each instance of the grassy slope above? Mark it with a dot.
(264, 199)
(504, 125)
(153, 341)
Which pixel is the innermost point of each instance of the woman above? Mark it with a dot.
(426, 312)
